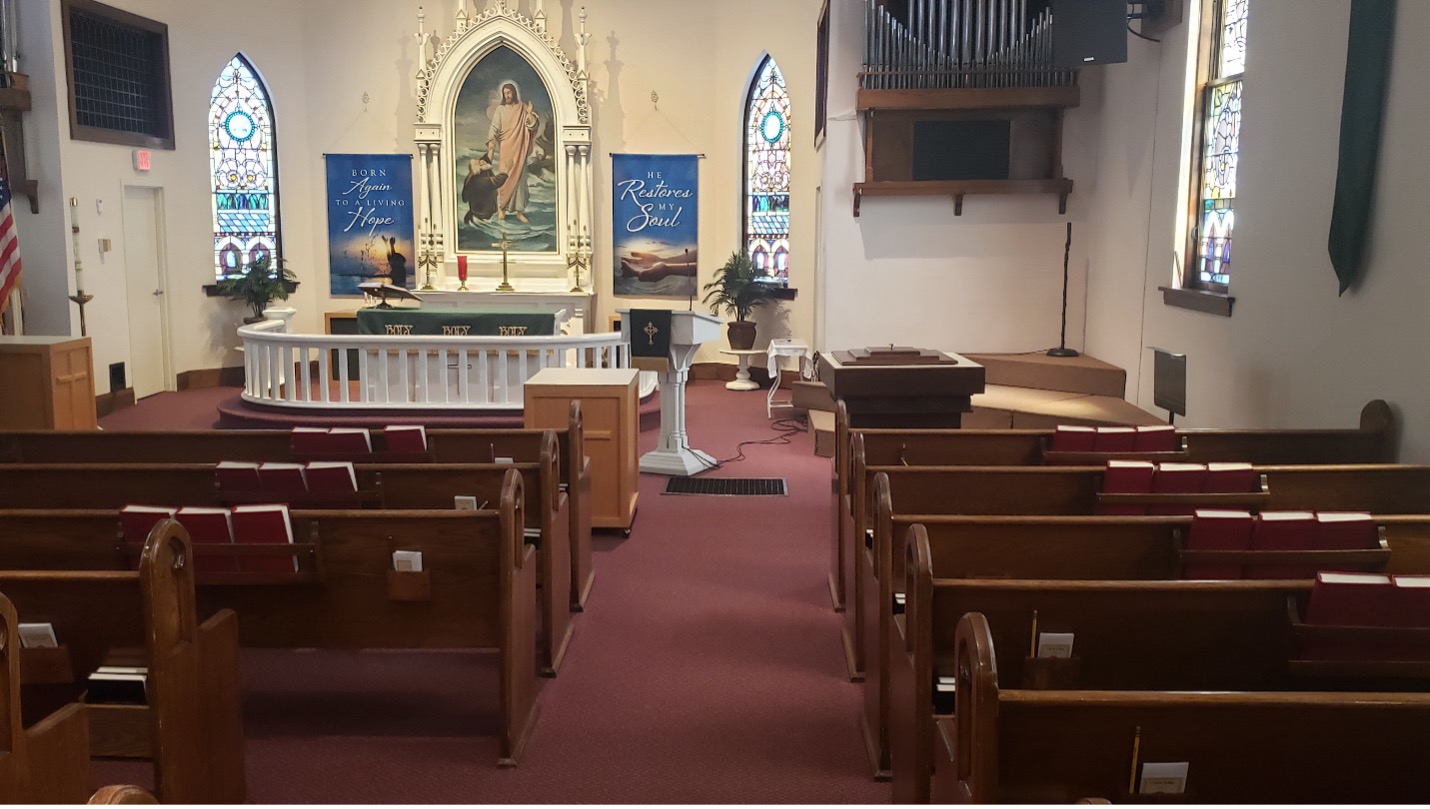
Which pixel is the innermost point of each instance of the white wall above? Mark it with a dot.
(908, 271)
(1293, 353)
(318, 58)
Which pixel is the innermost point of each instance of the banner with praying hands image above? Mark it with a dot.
(370, 225)
(655, 204)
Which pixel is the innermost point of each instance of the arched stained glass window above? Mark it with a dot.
(767, 173)
(243, 167)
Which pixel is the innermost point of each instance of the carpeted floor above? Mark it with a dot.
(706, 669)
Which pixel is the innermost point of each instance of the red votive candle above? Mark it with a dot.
(462, 268)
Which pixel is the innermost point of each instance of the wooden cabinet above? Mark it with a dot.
(48, 382)
(609, 410)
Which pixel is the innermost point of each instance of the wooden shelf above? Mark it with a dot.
(972, 98)
(12, 99)
(959, 188)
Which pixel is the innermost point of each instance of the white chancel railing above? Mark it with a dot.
(382, 372)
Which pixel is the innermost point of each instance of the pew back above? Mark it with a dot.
(1033, 746)
(48, 762)
(194, 718)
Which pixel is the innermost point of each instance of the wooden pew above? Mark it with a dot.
(477, 589)
(1013, 745)
(48, 762)
(1129, 633)
(1372, 442)
(1072, 490)
(390, 486)
(192, 727)
(454, 446)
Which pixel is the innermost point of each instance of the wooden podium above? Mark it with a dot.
(674, 455)
(893, 386)
(610, 400)
(49, 383)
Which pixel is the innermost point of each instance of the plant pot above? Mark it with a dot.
(741, 334)
(20, 81)
(250, 320)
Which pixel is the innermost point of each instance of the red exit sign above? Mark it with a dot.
(141, 160)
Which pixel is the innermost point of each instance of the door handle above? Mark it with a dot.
(158, 292)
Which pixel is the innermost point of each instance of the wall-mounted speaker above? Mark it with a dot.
(1089, 32)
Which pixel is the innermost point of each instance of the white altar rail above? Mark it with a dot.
(406, 372)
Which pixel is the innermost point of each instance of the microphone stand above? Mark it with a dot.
(1062, 350)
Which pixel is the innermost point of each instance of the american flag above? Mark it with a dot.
(9, 241)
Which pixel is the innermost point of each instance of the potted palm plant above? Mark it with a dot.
(736, 290)
(258, 285)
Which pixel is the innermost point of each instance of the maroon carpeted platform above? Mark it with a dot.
(706, 669)
(234, 413)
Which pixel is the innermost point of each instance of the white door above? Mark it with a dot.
(145, 278)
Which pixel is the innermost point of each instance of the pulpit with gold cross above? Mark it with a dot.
(680, 334)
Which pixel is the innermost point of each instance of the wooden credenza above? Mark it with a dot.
(49, 383)
(609, 409)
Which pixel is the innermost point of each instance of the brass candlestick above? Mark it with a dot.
(82, 299)
(505, 285)
(430, 256)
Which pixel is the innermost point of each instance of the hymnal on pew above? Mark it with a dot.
(331, 477)
(405, 439)
(1345, 530)
(38, 636)
(1055, 644)
(209, 526)
(282, 478)
(1218, 530)
(1283, 531)
(264, 525)
(118, 685)
(135, 522)
(1115, 439)
(1163, 778)
(349, 441)
(238, 476)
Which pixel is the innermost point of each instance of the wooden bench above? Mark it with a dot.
(1025, 746)
(477, 589)
(1033, 490)
(192, 727)
(1372, 442)
(389, 486)
(454, 446)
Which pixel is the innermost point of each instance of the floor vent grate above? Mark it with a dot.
(728, 487)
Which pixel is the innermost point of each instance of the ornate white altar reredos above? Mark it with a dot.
(503, 136)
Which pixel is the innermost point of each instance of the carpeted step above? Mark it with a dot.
(812, 396)
(822, 422)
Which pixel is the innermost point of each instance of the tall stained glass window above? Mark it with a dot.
(1220, 145)
(767, 161)
(243, 167)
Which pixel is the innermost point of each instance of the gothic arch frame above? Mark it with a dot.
(439, 82)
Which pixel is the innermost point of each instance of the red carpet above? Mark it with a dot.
(706, 669)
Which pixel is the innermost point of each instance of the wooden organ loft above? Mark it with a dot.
(961, 97)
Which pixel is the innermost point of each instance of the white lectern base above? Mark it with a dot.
(683, 462)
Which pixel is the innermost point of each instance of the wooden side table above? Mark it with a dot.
(742, 380)
(610, 402)
(49, 384)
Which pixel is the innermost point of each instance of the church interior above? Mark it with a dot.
(761, 401)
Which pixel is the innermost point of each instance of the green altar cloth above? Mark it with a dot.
(455, 323)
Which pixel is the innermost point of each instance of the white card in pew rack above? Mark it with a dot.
(1163, 778)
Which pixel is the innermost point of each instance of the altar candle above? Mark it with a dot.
(462, 268)
(74, 241)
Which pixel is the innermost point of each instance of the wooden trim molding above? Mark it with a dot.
(1198, 300)
(116, 400)
(230, 377)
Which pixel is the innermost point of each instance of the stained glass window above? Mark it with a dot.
(767, 162)
(242, 165)
(1221, 146)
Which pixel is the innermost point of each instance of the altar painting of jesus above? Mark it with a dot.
(504, 155)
